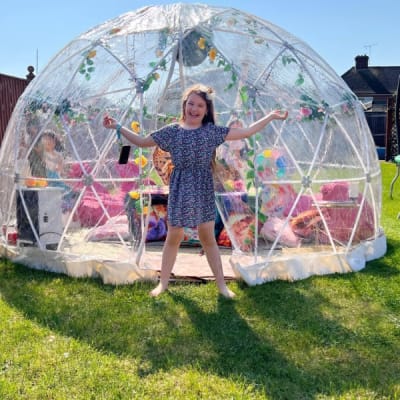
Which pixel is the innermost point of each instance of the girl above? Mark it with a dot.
(191, 203)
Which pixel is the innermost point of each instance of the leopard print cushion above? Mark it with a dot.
(163, 164)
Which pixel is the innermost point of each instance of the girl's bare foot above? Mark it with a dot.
(158, 290)
(227, 293)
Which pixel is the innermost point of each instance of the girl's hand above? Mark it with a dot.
(279, 114)
(109, 122)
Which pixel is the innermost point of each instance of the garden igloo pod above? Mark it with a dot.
(301, 197)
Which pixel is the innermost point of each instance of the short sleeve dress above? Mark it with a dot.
(191, 199)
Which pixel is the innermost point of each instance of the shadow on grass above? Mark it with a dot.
(388, 265)
(239, 339)
(336, 359)
(303, 371)
(393, 246)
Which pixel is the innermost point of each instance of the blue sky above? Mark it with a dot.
(33, 32)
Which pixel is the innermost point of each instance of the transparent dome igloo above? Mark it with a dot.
(302, 197)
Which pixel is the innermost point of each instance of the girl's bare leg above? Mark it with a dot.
(207, 239)
(170, 251)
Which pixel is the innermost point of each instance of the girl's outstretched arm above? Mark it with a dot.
(140, 141)
(242, 133)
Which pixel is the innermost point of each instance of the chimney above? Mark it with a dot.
(362, 62)
(31, 75)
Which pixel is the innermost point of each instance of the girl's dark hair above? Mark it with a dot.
(207, 94)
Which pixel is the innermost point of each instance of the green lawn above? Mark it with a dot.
(330, 337)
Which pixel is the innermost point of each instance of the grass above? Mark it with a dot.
(329, 337)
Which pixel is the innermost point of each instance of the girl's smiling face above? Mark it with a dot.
(194, 111)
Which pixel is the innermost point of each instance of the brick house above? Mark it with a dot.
(11, 88)
(377, 88)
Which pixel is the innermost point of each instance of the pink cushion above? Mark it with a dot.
(341, 222)
(275, 226)
(128, 170)
(335, 191)
(110, 230)
(75, 169)
(90, 212)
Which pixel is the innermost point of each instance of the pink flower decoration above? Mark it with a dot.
(238, 186)
(305, 111)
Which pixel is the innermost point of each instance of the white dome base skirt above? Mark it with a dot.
(291, 264)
